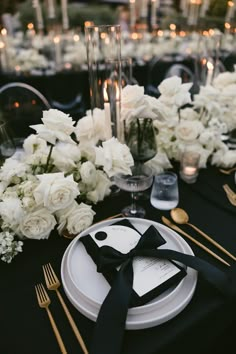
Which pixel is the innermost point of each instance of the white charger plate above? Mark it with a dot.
(86, 289)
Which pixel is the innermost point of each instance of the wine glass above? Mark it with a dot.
(140, 137)
(140, 180)
(7, 146)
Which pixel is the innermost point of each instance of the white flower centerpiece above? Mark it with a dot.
(180, 120)
(55, 180)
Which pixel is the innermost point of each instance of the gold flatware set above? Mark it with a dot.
(181, 217)
(44, 301)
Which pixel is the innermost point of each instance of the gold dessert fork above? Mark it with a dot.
(53, 283)
(44, 302)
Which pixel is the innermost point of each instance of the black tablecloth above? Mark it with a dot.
(206, 325)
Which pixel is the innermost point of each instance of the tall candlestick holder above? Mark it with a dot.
(104, 67)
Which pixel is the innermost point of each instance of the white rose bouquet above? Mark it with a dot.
(56, 178)
(180, 120)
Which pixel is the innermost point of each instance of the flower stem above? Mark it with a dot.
(48, 159)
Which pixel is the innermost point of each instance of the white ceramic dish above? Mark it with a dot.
(86, 289)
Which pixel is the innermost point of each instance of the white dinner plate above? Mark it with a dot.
(86, 288)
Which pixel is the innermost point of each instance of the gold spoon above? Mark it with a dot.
(199, 244)
(181, 217)
(227, 172)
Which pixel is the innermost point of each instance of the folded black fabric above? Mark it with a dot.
(110, 324)
(110, 271)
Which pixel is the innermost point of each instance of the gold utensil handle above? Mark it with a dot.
(229, 191)
(56, 332)
(72, 323)
(216, 244)
(227, 172)
(176, 228)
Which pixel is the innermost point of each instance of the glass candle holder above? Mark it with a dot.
(103, 45)
(189, 166)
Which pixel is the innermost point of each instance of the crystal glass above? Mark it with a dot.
(189, 165)
(165, 192)
(7, 146)
(141, 139)
(140, 180)
(103, 44)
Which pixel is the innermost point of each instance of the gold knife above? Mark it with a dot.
(176, 228)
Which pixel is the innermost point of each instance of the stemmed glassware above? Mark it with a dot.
(140, 137)
(7, 146)
(140, 180)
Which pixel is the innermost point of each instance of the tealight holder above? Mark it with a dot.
(189, 166)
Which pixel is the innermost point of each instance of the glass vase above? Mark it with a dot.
(141, 138)
(104, 46)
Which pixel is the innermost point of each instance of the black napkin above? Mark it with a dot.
(151, 239)
(110, 325)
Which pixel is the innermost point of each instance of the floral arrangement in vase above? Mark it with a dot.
(57, 177)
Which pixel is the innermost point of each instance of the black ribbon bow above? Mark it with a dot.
(110, 324)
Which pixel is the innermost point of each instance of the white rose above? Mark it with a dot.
(159, 163)
(33, 143)
(88, 173)
(28, 203)
(102, 189)
(55, 191)
(174, 92)
(38, 224)
(170, 86)
(189, 114)
(57, 126)
(114, 157)
(76, 218)
(91, 128)
(224, 158)
(12, 168)
(224, 79)
(65, 156)
(11, 211)
(188, 130)
(131, 96)
(27, 187)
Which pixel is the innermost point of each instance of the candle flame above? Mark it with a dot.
(3, 31)
(172, 27)
(16, 104)
(134, 35)
(76, 38)
(88, 23)
(56, 39)
(105, 95)
(2, 45)
(227, 25)
(230, 3)
(30, 26)
(210, 66)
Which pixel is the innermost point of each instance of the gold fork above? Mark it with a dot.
(44, 302)
(53, 283)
